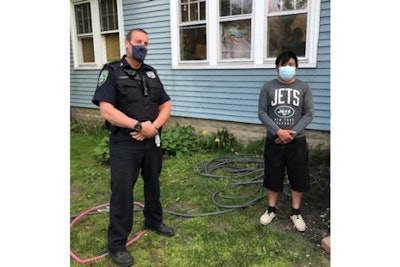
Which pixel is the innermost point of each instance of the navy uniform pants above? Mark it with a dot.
(127, 158)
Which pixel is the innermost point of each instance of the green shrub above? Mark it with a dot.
(75, 127)
(102, 151)
(222, 140)
(179, 141)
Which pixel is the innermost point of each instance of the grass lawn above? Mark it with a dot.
(234, 238)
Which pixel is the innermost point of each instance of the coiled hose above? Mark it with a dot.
(243, 170)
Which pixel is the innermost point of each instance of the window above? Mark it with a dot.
(235, 29)
(242, 33)
(192, 30)
(287, 27)
(96, 32)
(84, 30)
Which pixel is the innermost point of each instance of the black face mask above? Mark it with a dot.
(139, 52)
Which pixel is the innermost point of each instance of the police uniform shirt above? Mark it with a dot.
(137, 93)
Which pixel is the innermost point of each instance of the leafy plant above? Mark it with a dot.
(179, 141)
(222, 140)
(75, 126)
(102, 151)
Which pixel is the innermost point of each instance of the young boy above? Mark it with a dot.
(285, 108)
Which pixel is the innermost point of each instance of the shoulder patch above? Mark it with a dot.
(102, 78)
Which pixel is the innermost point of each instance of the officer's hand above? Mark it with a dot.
(148, 130)
(137, 136)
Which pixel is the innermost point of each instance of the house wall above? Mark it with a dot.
(218, 95)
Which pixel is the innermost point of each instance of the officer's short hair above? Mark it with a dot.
(129, 34)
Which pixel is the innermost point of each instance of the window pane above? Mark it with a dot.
(87, 49)
(83, 18)
(112, 46)
(108, 15)
(202, 10)
(235, 7)
(193, 11)
(193, 42)
(287, 33)
(235, 39)
(282, 5)
(184, 13)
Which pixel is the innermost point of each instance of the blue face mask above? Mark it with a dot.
(286, 72)
(139, 52)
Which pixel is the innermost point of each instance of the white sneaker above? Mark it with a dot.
(266, 218)
(298, 222)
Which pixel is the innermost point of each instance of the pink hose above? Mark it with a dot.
(130, 242)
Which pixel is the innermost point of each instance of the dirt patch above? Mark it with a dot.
(75, 191)
(315, 207)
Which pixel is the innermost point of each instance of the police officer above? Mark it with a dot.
(135, 105)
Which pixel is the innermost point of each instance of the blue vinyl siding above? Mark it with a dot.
(217, 94)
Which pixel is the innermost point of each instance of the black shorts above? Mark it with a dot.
(292, 158)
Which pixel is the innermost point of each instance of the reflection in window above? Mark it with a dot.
(108, 15)
(283, 5)
(235, 7)
(287, 32)
(236, 39)
(193, 11)
(83, 18)
(193, 42)
(235, 29)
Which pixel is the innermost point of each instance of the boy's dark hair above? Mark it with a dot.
(128, 35)
(284, 58)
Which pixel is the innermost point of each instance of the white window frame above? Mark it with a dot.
(99, 43)
(258, 44)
